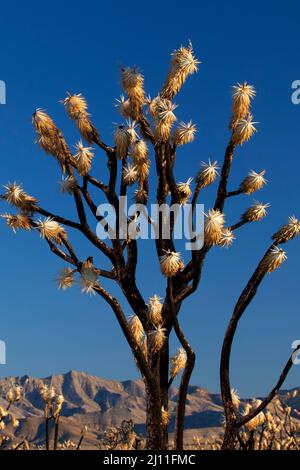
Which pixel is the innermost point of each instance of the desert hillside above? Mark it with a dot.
(100, 403)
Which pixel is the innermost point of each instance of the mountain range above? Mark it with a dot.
(98, 403)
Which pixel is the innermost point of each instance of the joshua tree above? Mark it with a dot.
(150, 129)
(7, 418)
(52, 410)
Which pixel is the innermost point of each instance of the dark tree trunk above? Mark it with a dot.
(180, 412)
(155, 436)
(230, 437)
(157, 397)
(56, 433)
(164, 386)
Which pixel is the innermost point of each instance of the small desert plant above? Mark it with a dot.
(7, 418)
(53, 403)
(274, 429)
(70, 445)
(52, 409)
(122, 437)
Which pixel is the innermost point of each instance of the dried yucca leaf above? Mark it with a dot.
(133, 84)
(140, 195)
(288, 231)
(164, 120)
(155, 310)
(131, 78)
(47, 393)
(273, 259)
(207, 174)
(258, 420)
(165, 416)
(178, 362)
(51, 230)
(131, 129)
(67, 184)
(142, 170)
(253, 182)
(18, 221)
(139, 155)
(89, 277)
(227, 238)
(170, 263)
(75, 105)
(83, 158)
(50, 137)
(153, 105)
(122, 141)
(214, 224)
(130, 174)
(157, 338)
(183, 64)
(255, 213)
(235, 398)
(77, 109)
(241, 101)
(16, 196)
(144, 346)
(139, 151)
(65, 279)
(86, 129)
(124, 107)
(243, 130)
(43, 123)
(185, 191)
(184, 133)
(136, 328)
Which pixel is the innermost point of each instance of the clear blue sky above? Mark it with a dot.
(49, 48)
